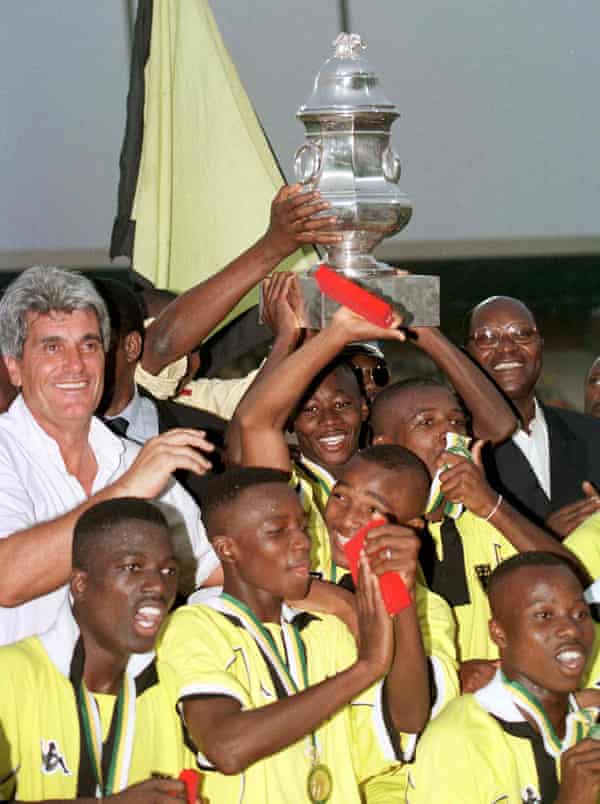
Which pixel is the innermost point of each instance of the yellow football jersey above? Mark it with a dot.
(481, 750)
(211, 654)
(462, 580)
(39, 726)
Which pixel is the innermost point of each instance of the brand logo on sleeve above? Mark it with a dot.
(52, 759)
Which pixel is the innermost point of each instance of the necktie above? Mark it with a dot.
(448, 577)
(118, 425)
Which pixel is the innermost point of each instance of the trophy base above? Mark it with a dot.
(416, 297)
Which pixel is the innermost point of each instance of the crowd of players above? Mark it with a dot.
(131, 486)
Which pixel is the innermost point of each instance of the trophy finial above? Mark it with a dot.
(348, 46)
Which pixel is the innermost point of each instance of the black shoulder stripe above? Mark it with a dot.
(545, 765)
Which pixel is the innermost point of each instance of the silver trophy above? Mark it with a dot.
(347, 156)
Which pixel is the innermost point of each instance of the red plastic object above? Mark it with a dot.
(191, 778)
(360, 301)
(393, 589)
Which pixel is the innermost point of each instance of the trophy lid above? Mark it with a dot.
(346, 82)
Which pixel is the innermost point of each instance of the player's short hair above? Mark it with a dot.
(386, 403)
(42, 289)
(394, 458)
(533, 558)
(224, 489)
(98, 524)
(124, 307)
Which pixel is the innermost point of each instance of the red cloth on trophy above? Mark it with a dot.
(361, 301)
(393, 589)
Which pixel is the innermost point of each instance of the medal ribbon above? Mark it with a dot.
(111, 768)
(577, 720)
(324, 479)
(458, 445)
(292, 669)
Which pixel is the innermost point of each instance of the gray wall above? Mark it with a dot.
(498, 136)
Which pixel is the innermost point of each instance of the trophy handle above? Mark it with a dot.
(308, 162)
(390, 163)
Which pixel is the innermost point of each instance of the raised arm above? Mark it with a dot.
(492, 417)
(233, 738)
(186, 321)
(465, 482)
(395, 548)
(264, 411)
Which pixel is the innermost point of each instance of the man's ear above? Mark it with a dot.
(14, 370)
(226, 549)
(133, 347)
(497, 633)
(78, 584)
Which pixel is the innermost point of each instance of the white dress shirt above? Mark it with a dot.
(142, 417)
(535, 446)
(35, 487)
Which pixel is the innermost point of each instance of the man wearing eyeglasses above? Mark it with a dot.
(550, 468)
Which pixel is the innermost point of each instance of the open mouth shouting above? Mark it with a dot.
(149, 616)
(572, 658)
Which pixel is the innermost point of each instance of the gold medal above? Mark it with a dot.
(319, 784)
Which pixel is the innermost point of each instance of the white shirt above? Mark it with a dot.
(142, 417)
(35, 487)
(535, 446)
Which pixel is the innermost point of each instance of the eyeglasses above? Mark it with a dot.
(490, 337)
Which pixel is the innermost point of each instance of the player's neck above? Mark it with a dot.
(557, 715)
(263, 604)
(103, 671)
(555, 705)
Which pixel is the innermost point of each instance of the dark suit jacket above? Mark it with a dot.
(172, 414)
(574, 440)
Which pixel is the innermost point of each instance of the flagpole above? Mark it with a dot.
(129, 11)
(344, 16)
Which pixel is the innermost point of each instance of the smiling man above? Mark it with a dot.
(523, 737)
(85, 710)
(56, 459)
(550, 469)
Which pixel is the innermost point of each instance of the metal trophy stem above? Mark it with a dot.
(347, 156)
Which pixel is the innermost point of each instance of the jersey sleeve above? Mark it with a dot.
(11, 725)
(438, 630)
(460, 759)
(201, 656)
(9, 759)
(376, 745)
(584, 543)
(220, 397)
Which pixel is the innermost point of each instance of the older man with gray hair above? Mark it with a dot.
(57, 459)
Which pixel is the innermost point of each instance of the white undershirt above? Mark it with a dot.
(535, 446)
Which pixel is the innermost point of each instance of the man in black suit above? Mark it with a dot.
(550, 468)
